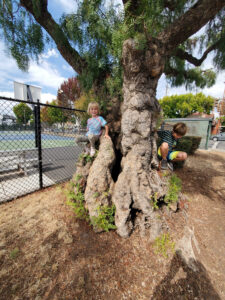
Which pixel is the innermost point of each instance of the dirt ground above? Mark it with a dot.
(45, 253)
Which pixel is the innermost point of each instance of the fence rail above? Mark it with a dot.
(35, 151)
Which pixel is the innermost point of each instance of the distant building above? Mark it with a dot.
(219, 106)
(214, 116)
(7, 119)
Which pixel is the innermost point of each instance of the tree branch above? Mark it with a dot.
(170, 4)
(193, 60)
(133, 6)
(189, 23)
(53, 29)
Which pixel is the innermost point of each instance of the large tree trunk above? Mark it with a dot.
(132, 184)
(139, 181)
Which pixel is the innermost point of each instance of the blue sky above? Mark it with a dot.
(52, 69)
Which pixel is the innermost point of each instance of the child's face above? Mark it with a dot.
(176, 136)
(94, 111)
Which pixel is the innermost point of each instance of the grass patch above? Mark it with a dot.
(163, 244)
(174, 189)
(14, 253)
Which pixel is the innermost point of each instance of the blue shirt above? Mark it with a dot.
(94, 125)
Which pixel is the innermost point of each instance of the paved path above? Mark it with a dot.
(219, 145)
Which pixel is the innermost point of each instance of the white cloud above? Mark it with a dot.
(216, 90)
(7, 94)
(68, 68)
(47, 97)
(44, 96)
(68, 6)
(43, 74)
(50, 53)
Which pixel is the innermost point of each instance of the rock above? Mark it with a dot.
(173, 206)
(185, 250)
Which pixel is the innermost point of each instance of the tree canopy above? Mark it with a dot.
(53, 115)
(68, 92)
(181, 106)
(23, 113)
(91, 39)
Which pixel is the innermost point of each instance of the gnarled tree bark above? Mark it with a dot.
(139, 181)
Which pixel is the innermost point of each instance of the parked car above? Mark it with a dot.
(218, 137)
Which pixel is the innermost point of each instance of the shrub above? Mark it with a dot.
(188, 144)
(75, 199)
(105, 218)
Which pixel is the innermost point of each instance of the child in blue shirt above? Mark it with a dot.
(94, 126)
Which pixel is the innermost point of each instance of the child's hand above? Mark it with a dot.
(107, 136)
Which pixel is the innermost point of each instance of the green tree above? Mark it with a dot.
(132, 46)
(23, 113)
(180, 106)
(56, 115)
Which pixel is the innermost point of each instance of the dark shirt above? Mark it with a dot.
(167, 137)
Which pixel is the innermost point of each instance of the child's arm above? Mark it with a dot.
(107, 131)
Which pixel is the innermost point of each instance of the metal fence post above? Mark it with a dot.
(35, 126)
(39, 144)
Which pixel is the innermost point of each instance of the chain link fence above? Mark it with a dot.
(37, 145)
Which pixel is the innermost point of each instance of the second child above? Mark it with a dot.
(169, 139)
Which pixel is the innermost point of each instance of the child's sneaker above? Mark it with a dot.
(170, 166)
(164, 164)
(92, 152)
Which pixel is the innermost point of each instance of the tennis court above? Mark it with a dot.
(59, 156)
(14, 140)
(24, 165)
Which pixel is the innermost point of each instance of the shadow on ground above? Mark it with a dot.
(182, 282)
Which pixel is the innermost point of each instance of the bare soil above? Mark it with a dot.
(45, 253)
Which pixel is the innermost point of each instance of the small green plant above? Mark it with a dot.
(77, 177)
(14, 253)
(87, 157)
(96, 195)
(105, 194)
(105, 219)
(174, 189)
(163, 244)
(76, 201)
(165, 173)
(154, 201)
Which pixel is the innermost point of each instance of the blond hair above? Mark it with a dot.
(92, 104)
(180, 128)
